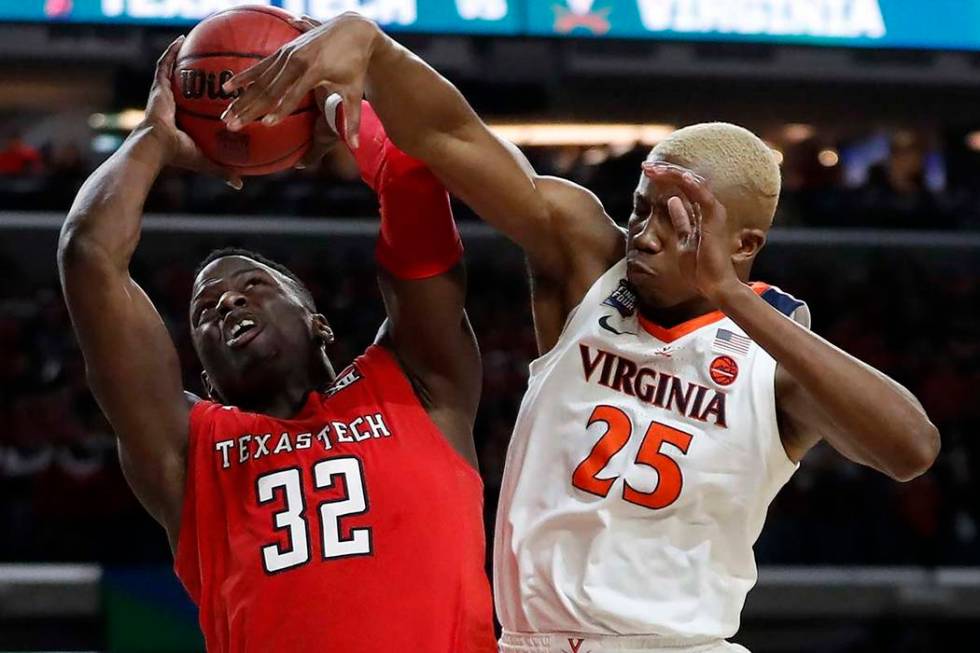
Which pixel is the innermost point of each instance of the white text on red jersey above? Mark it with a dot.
(251, 446)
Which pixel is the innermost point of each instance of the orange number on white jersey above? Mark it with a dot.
(620, 428)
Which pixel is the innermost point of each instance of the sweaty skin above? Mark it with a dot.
(132, 364)
(822, 392)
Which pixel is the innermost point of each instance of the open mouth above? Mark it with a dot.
(242, 332)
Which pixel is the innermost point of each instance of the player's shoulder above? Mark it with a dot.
(574, 204)
(579, 219)
(379, 366)
(785, 303)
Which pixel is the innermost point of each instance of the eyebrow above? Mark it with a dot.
(212, 282)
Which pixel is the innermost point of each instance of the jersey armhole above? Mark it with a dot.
(542, 361)
(185, 552)
(778, 454)
(384, 361)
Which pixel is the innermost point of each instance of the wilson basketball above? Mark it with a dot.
(219, 47)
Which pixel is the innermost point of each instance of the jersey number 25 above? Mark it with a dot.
(618, 432)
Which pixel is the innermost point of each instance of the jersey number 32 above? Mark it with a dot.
(291, 519)
(619, 429)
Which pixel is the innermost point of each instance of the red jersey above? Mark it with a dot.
(353, 527)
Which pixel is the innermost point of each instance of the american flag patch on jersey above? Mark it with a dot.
(733, 343)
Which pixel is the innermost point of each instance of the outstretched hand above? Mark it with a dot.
(702, 232)
(161, 118)
(333, 56)
(324, 136)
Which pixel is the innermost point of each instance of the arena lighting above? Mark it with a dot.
(828, 158)
(611, 134)
(973, 141)
(595, 155)
(797, 132)
(125, 120)
(129, 119)
(98, 121)
(618, 136)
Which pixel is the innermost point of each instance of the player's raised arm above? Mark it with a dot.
(422, 280)
(821, 391)
(130, 359)
(562, 227)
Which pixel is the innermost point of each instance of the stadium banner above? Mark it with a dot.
(436, 16)
(919, 24)
(925, 24)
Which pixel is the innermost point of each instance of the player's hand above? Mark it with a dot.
(324, 136)
(702, 233)
(333, 56)
(161, 120)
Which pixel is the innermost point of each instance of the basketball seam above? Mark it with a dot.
(248, 55)
(261, 10)
(276, 160)
(205, 55)
(208, 116)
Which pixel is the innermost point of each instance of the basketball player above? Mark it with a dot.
(307, 510)
(672, 398)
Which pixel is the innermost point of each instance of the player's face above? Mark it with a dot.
(249, 325)
(652, 248)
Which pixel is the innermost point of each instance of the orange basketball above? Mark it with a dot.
(220, 46)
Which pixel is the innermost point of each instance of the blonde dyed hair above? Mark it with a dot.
(740, 168)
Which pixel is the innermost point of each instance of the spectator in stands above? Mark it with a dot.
(18, 158)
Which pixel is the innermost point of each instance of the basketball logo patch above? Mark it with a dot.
(723, 370)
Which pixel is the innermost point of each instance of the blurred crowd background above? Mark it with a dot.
(910, 311)
(893, 177)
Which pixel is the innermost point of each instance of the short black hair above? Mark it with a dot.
(259, 258)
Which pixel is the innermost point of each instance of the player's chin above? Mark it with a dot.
(638, 273)
(645, 280)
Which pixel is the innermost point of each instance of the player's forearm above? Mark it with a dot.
(876, 415)
(429, 119)
(416, 104)
(418, 238)
(106, 216)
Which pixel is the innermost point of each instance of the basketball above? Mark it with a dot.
(219, 47)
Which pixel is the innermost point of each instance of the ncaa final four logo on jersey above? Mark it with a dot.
(344, 380)
(622, 299)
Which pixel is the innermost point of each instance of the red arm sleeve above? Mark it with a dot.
(418, 237)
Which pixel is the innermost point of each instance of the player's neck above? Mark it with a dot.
(288, 396)
(671, 316)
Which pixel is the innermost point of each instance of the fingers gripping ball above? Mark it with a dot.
(223, 45)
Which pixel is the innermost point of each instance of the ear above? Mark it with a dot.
(322, 330)
(750, 241)
(209, 387)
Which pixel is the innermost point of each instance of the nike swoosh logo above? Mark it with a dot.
(604, 323)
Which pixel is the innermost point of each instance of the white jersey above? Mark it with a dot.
(642, 464)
